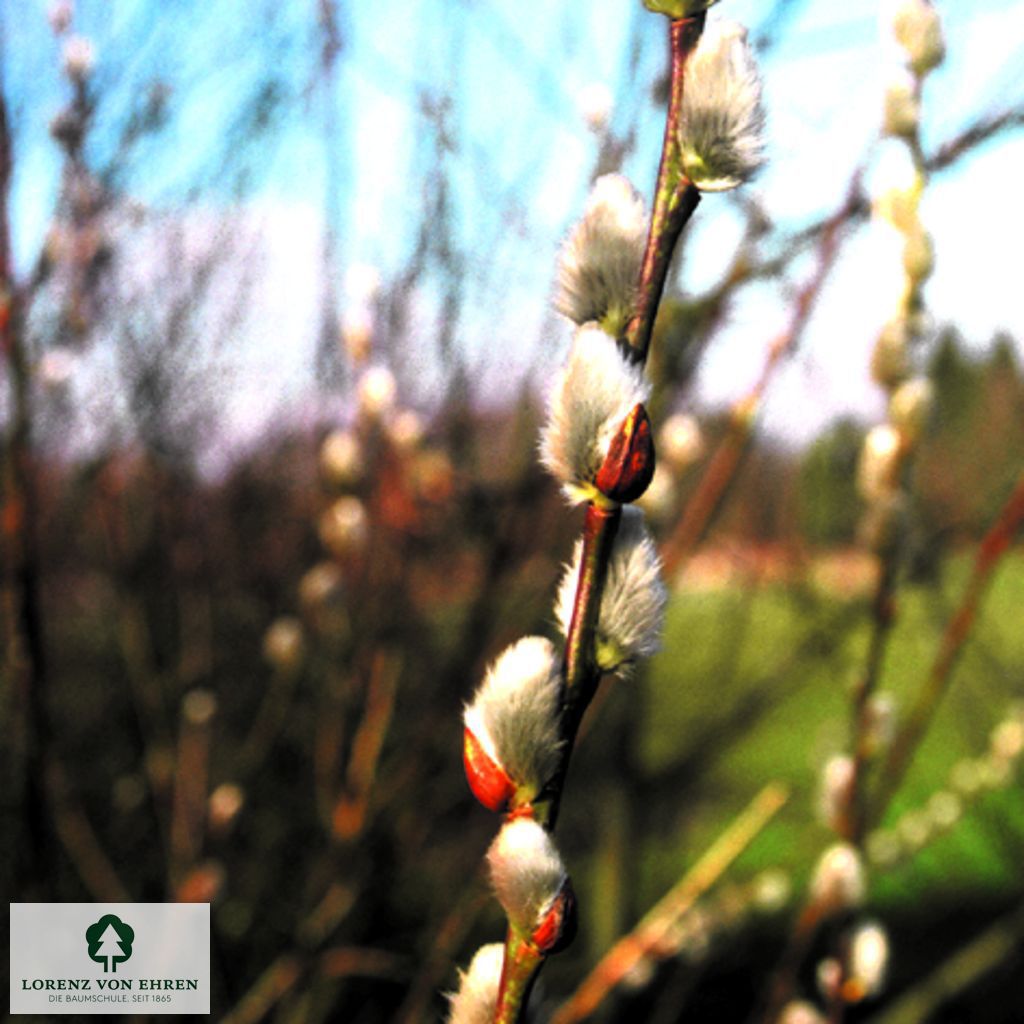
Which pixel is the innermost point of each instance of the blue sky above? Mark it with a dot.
(520, 163)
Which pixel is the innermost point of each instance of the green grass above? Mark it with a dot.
(753, 686)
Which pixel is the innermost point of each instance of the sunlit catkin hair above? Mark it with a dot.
(592, 396)
(722, 121)
(632, 612)
(477, 995)
(514, 714)
(600, 260)
(526, 871)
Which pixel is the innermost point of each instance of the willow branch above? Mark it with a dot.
(649, 934)
(675, 197)
(984, 128)
(674, 203)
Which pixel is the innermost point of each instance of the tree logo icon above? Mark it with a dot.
(110, 942)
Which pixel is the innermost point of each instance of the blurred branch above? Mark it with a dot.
(984, 128)
(858, 203)
(40, 778)
(649, 934)
(289, 969)
(269, 720)
(271, 986)
(354, 961)
(991, 550)
(191, 771)
(79, 840)
(24, 652)
(350, 810)
(722, 467)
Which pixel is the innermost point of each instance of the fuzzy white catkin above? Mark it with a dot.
(838, 881)
(721, 117)
(910, 408)
(343, 526)
(341, 458)
(405, 430)
(890, 357)
(837, 780)
(680, 441)
(879, 465)
(514, 713)
(592, 396)
(800, 1012)
(600, 261)
(918, 30)
(869, 957)
(1007, 739)
(632, 611)
(79, 57)
(377, 390)
(902, 109)
(57, 366)
(283, 643)
(594, 102)
(526, 871)
(477, 995)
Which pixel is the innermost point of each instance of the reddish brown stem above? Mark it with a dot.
(581, 674)
(675, 198)
(523, 962)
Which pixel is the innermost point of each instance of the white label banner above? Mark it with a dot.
(110, 958)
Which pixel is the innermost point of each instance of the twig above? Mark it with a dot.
(675, 198)
(191, 771)
(648, 935)
(778, 992)
(581, 674)
(350, 809)
(79, 839)
(269, 720)
(285, 972)
(983, 129)
(357, 961)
